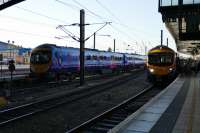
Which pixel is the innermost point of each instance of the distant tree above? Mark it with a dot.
(109, 49)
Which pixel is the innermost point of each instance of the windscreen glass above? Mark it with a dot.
(160, 59)
(40, 57)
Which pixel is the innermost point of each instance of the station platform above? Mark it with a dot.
(175, 110)
(14, 77)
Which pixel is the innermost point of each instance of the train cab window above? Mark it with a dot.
(161, 59)
(40, 57)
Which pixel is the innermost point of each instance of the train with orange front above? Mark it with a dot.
(161, 64)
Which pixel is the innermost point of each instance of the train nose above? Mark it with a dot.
(39, 68)
(159, 71)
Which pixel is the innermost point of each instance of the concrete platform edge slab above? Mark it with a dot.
(124, 124)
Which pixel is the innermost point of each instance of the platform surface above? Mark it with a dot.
(175, 110)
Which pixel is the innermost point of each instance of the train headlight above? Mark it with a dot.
(151, 70)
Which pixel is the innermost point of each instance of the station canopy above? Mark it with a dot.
(7, 3)
(178, 2)
(182, 18)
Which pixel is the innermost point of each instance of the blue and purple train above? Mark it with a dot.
(56, 61)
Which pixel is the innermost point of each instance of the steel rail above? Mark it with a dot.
(107, 120)
(16, 113)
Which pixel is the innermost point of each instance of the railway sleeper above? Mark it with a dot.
(117, 118)
(106, 124)
(120, 115)
(132, 109)
(110, 121)
(99, 129)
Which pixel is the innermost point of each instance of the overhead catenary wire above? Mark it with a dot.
(76, 7)
(98, 30)
(26, 33)
(133, 29)
(28, 21)
(100, 17)
(77, 24)
(91, 12)
(42, 15)
(119, 21)
(70, 34)
(122, 32)
(72, 6)
(115, 17)
(108, 10)
(36, 13)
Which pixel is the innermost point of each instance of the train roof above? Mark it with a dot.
(160, 48)
(95, 50)
(54, 45)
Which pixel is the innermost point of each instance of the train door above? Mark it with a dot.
(58, 56)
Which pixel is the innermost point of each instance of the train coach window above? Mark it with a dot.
(94, 57)
(88, 57)
(101, 57)
(112, 58)
(117, 58)
(75, 58)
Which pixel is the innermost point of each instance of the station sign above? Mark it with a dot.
(7, 3)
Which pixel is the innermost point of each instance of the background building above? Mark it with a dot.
(12, 52)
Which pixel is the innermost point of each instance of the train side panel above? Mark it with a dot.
(65, 61)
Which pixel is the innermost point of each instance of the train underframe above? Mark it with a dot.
(161, 78)
(73, 73)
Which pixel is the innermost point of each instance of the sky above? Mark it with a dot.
(134, 24)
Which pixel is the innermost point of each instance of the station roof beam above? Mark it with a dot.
(188, 14)
(7, 3)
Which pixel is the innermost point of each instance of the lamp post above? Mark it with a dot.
(114, 45)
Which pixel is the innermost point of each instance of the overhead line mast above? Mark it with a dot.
(81, 39)
(82, 46)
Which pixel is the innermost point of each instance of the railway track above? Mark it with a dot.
(18, 71)
(42, 86)
(109, 119)
(49, 102)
